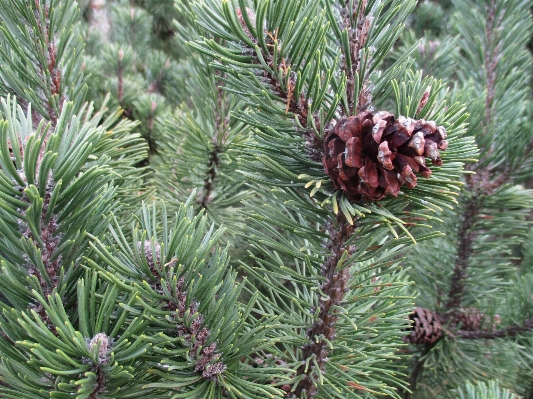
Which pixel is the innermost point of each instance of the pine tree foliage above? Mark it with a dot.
(201, 144)
(122, 60)
(294, 91)
(57, 186)
(41, 55)
(49, 353)
(469, 276)
(434, 56)
(321, 137)
(190, 299)
(165, 14)
(481, 391)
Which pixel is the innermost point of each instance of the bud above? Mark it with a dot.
(423, 100)
(105, 345)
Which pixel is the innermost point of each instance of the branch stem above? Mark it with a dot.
(332, 294)
(507, 332)
(465, 240)
(211, 174)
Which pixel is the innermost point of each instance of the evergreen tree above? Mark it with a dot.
(317, 220)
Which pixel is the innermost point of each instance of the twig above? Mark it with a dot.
(358, 35)
(99, 383)
(509, 332)
(51, 66)
(222, 127)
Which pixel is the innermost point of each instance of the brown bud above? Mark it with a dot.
(242, 22)
(424, 100)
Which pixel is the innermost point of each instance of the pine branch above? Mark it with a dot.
(297, 106)
(332, 293)
(416, 372)
(100, 383)
(219, 139)
(41, 51)
(358, 25)
(507, 332)
(53, 70)
(103, 341)
(465, 239)
(211, 174)
(194, 333)
(48, 241)
(201, 335)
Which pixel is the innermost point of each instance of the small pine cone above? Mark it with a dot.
(372, 155)
(471, 319)
(425, 329)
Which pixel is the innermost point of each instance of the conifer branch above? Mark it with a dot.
(48, 241)
(298, 106)
(53, 69)
(103, 343)
(194, 333)
(465, 240)
(332, 294)
(358, 26)
(508, 332)
(415, 373)
(221, 126)
(211, 174)
(100, 383)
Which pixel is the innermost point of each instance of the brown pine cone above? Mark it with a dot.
(471, 319)
(425, 329)
(372, 155)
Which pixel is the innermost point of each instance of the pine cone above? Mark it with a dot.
(426, 328)
(470, 319)
(373, 155)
